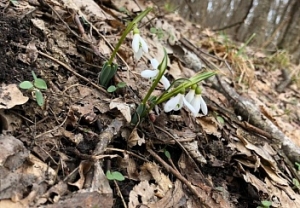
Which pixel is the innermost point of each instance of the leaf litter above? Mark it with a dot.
(57, 155)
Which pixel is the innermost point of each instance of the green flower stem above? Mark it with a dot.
(128, 29)
(162, 68)
(193, 80)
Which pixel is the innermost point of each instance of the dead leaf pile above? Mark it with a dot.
(57, 155)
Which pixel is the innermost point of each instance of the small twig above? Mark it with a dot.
(120, 194)
(86, 38)
(127, 152)
(186, 152)
(198, 52)
(178, 175)
(54, 129)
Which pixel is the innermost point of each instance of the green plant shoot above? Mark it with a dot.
(109, 69)
(36, 86)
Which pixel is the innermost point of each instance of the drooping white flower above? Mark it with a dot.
(176, 103)
(138, 45)
(191, 94)
(198, 103)
(152, 74)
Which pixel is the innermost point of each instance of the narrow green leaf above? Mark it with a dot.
(39, 97)
(40, 83)
(141, 15)
(33, 74)
(167, 154)
(121, 85)
(111, 88)
(26, 85)
(138, 114)
(107, 73)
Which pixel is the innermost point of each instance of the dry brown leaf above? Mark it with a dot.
(193, 150)
(10, 122)
(141, 194)
(164, 183)
(75, 138)
(10, 204)
(274, 175)
(172, 197)
(209, 125)
(135, 139)
(258, 184)
(10, 96)
(84, 167)
(284, 196)
(122, 107)
(239, 146)
(13, 152)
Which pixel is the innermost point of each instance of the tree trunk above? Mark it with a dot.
(259, 22)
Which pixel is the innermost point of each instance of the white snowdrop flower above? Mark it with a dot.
(191, 94)
(152, 74)
(198, 103)
(176, 103)
(138, 45)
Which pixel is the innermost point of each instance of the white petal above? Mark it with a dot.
(180, 102)
(196, 102)
(136, 43)
(138, 55)
(203, 106)
(165, 82)
(190, 96)
(154, 63)
(144, 45)
(149, 73)
(171, 104)
(190, 107)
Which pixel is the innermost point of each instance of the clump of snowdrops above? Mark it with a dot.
(179, 93)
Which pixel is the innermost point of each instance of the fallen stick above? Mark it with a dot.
(250, 112)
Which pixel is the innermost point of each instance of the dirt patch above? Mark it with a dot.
(13, 30)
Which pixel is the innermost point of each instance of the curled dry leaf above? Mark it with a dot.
(122, 107)
(135, 139)
(10, 96)
(141, 194)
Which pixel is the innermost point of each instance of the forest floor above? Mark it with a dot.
(74, 149)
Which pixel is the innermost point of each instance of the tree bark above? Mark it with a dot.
(258, 23)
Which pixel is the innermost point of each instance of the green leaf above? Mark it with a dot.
(153, 30)
(115, 175)
(266, 203)
(26, 85)
(107, 73)
(39, 97)
(220, 119)
(33, 74)
(121, 85)
(138, 114)
(141, 15)
(167, 154)
(40, 83)
(111, 88)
